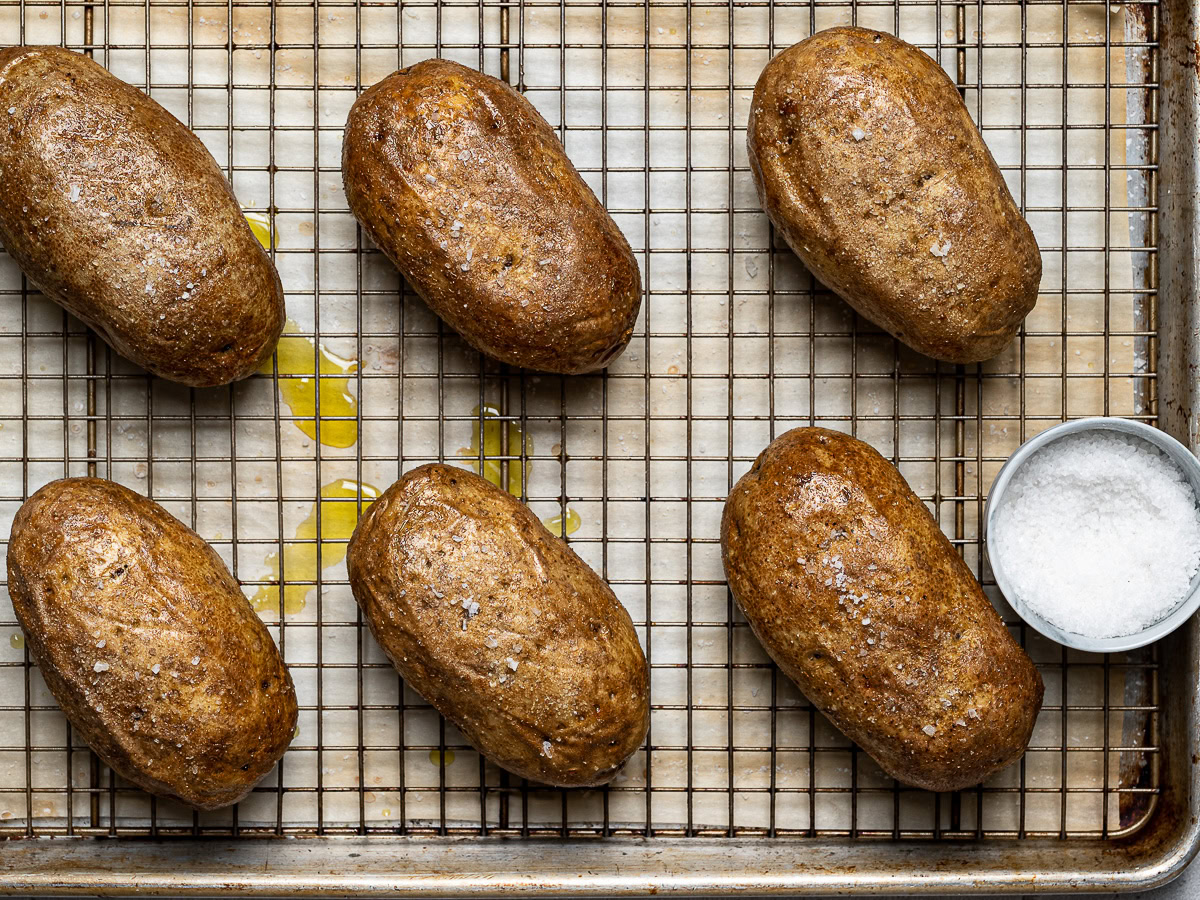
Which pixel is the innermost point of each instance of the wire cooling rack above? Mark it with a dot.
(735, 345)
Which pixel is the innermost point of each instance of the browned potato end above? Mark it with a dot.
(147, 643)
(498, 624)
(862, 601)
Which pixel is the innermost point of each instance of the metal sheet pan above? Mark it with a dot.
(1091, 111)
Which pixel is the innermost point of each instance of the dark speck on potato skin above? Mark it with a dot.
(466, 188)
(166, 672)
(854, 591)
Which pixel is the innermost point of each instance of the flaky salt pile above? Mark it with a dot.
(1099, 532)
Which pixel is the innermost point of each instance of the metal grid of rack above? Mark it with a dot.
(735, 345)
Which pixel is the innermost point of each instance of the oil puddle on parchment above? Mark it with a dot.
(338, 518)
(301, 360)
(17, 641)
(515, 475)
(555, 523)
(260, 224)
(297, 358)
(508, 474)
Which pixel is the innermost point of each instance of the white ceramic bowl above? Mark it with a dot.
(1179, 454)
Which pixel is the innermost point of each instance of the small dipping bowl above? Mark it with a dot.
(1183, 460)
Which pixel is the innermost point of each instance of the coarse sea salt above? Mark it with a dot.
(1099, 533)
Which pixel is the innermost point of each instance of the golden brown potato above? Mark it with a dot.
(501, 627)
(862, 601)
(868, 163)
(460, 181)
(148, 643)
(115, 210)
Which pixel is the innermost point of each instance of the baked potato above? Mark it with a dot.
(500, 626)
(854, 591)
(868, 163)
(467, 190)
(147, 643)
(116, 211)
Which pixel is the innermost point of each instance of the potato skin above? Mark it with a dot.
(103, 577)
(912, 224)
(536, 274)
(577, 704)
(117, 212)
(855, 592)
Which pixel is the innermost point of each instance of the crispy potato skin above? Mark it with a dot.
(858, 596)
(536, 273)
(117, 212)
(864, 215)
(577, 704)
(101, 576)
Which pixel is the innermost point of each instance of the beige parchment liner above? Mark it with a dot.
(236, 465)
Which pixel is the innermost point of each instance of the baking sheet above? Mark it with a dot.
(734, 347)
